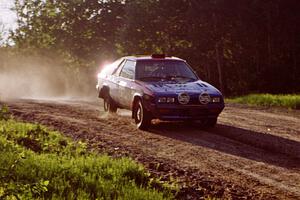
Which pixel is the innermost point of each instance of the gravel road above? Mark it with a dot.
(253, 153)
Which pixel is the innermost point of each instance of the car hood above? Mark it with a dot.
(189, 87)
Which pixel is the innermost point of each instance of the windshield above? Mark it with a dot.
(160, 70)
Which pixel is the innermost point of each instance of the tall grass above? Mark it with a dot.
(287, 101)
(40, 164)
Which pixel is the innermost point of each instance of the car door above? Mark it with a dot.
(126, 83)
(114, 82)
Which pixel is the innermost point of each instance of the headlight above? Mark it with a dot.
(170, 100)
(216, 99)
(162, 100)
(166, 100)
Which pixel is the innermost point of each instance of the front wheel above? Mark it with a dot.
(109, 105)
(141, 116)
(210, 123)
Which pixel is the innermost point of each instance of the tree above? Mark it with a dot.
(239, 46)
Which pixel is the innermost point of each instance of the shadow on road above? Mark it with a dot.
(240, 142)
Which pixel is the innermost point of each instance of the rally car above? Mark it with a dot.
(158, 87)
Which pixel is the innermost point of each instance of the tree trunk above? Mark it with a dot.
(219, 59)
(219, 50)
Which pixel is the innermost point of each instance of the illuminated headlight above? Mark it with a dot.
(216, 100)
(166, 100)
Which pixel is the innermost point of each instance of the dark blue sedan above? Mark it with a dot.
(158, 87)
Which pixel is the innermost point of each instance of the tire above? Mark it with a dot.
(109, 105)
(210, 123)
(141, 116)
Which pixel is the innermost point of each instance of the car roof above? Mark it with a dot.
(137, 58)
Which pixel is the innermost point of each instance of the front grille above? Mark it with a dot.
(194, 100)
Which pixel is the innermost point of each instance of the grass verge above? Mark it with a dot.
(40, 164)
(287, 101)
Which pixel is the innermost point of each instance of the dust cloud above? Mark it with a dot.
(43, 78)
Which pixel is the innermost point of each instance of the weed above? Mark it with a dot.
(4, 112)
(40, 164)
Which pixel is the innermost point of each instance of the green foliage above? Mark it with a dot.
(287, 101)
(82, 31)
(4, 112)
(40, 164)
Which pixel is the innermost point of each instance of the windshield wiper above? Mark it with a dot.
(179, 76)
(151, 78)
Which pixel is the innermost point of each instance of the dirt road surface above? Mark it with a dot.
(253, 153)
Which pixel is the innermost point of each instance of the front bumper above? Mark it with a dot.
(184, 112)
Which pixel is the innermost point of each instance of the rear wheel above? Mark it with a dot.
(109, 105)
(141, 116)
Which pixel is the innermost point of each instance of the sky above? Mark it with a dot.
(7, 16)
